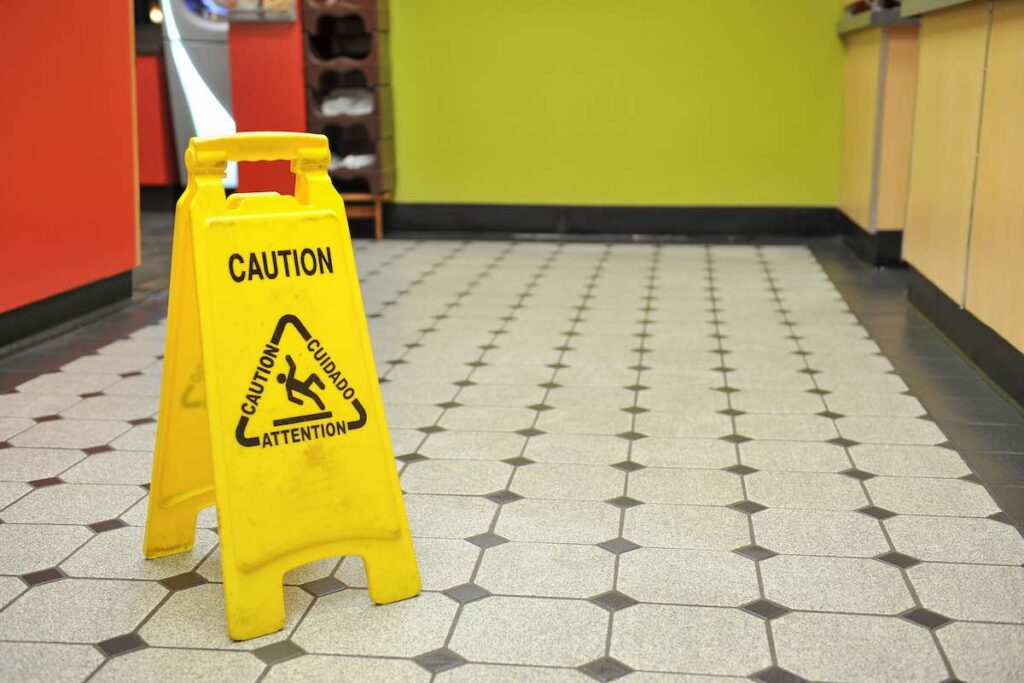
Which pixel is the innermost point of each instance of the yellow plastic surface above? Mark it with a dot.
(270, 406)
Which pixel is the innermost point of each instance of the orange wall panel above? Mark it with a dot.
(157, 165)
(268, 92)
(69, 192)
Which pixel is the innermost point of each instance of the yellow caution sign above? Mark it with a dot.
(270, 406)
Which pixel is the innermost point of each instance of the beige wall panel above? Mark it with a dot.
(897, 124)
(947, 111)
(860, 110)
(995, 276)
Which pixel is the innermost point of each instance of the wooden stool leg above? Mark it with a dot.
(378, 219)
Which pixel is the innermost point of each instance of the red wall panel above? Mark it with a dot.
(69, 183)
(157, 165)
(267, 93)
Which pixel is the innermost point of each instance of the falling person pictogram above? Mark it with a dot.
(293, 386)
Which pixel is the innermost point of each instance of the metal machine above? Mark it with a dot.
(195, 36)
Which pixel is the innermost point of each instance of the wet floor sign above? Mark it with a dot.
(270, 407)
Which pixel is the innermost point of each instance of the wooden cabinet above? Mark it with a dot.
(995, 267)
(947, 114)
(880, 74)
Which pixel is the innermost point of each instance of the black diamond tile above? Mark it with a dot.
(119, 645)
(898, 559)
(431, 429)
(549, 385)
(540, 407)
(518, 461)
(624, 502)
(278, 652)
(840, 441)
(91, 394)
(628, 466)
(617, 546)
(465, 383)
(855, 473)
(43, 483)
(613, 601)
(926, 617)
(635, 410)
(557, 366)
(973, 478)
(107, 525)
(467, 592)
(411, 457)
(735, 438)
(820, 392)
(731, 412)
(141, 421)
(48, 418)
(487, 540)
(766, 609)
(637, 387)
(631, 436)
(639, 368)
(776, 674)
(5, 444)
(747, 506)
(724, 368)
(529, 431)
(830, 415)
(502, 497)
(144, 486)
(605, 669)
(449, 404)
(324, 586)
(93, 450)
(133, 373)
(43, 576)
(182, 582)
(876, 512)
(727, 390)
(477, 364)
(740, 469)
(755, 552)
(439, 660)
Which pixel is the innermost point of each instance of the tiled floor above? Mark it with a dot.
(621, 462)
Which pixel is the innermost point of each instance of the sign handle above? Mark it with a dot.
(206, 160)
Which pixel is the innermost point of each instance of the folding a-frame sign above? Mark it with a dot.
(270, 407)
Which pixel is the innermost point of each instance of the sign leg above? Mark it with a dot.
(170, 530)
(391, 571)
(254, 602)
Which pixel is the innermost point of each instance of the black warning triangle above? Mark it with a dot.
(309, 380)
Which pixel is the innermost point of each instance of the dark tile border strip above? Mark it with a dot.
(883, 248)
(878, 297)
(46, 351)
(159, 197)
(518, 219)
(36, 317)
(997, 358)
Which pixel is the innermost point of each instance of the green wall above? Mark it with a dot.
(617, 102)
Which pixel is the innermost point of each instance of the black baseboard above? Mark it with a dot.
(159, 197)
(55, 310)
(883, 248)
(518, 219)
(982, 345)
